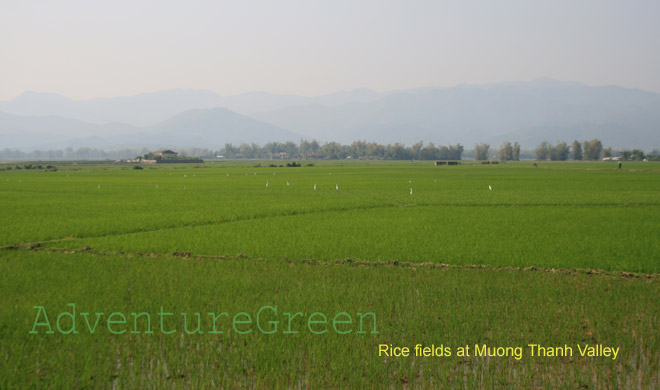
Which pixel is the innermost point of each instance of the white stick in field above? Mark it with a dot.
(337, 187)
(266, 184)
(287, 183)
(411, 191)
(490, 188)
(314, 187)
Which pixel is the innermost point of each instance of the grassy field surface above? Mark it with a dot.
(566, 254)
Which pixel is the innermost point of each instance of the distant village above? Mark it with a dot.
(164, 157)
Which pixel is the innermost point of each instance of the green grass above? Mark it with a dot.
(557, 216)
(500, 236)
(427, 305)
(561, 217)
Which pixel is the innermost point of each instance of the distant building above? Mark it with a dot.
(281, 155)
(166, 153)
(167, 157)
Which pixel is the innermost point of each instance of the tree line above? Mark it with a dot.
(305, 150)
(310, 150)
(336, 151)
(586, 150)
(508, 152)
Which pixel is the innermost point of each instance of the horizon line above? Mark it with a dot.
(395, 90)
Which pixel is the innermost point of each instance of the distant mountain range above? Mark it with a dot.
(532, 112)
(210, 128)
(149, 109)
(526, 112)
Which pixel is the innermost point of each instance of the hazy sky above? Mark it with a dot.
(85, 49)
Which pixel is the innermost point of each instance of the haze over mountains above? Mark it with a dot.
(148, 109)
(526, 112)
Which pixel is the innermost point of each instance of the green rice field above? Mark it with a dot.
(345, 261)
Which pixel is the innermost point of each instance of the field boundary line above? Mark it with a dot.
(206, 223)
(311, 212)
(343, 262)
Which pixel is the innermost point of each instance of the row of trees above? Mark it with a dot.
(508, 152)
(83, 153)
(560, 152)
(336, 151)
(86, 153)
(636, 155)
(272, 150)
(586, 150)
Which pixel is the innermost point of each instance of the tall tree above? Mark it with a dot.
(230, 150)
(416, 148)
(305, 148)
(577, 150)
(542, 151)
(429, 152)
(398, 152)
(506, 152)
(592, 149)
(516, 151)
(375, 150)
(481, 151)
(358, 149)
(559, 152)
(455, 152)
(638, 155)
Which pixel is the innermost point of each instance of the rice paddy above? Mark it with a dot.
(507, 255)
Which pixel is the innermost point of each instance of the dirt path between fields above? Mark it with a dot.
(347, 262)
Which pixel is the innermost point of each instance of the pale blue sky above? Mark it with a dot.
(86, 49)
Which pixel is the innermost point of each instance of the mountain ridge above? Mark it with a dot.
(197, 127)
(527, 112)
